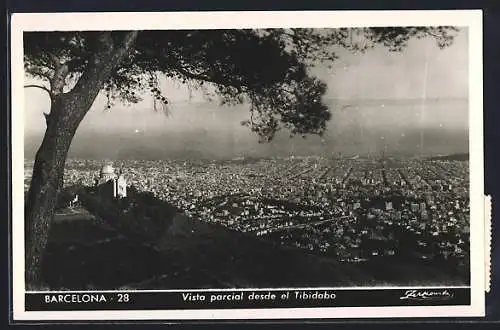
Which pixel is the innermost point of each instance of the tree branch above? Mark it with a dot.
(205, 77)
(39, 86)
(192, 75)
(185, 71)
(106, 57)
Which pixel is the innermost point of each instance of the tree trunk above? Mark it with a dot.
(46, 182)
(67, 111)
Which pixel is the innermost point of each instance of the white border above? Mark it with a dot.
(218, 20)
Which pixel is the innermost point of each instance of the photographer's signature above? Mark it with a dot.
(443, 294)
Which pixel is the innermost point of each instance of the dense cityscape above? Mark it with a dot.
(353, 210)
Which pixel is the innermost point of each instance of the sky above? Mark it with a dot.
(376, 96)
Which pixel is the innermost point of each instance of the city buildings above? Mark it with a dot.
(350, 209)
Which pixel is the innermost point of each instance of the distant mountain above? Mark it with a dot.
(396, 102)
(217, 145)
(458, 157)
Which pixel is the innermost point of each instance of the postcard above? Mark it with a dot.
(247, 165)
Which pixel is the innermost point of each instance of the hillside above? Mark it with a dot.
(182, 252)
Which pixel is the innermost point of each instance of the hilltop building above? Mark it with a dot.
(107, 174)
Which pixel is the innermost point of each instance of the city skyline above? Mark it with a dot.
(405, 213)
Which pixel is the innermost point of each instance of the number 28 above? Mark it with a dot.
(123, 297)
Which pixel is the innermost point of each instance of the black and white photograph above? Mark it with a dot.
(211, 164)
